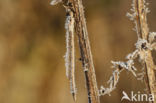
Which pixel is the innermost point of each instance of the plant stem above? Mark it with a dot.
(144, 34)
(86, 55)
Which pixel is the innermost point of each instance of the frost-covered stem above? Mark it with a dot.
(141, 10)
(86, 55)
(119, 67)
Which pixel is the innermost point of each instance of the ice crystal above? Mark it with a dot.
(142, 44)
(132, 55)
(70, 53)
(152, 36)
(153, 46)
(140, 76)
(112, 84)
(69, 57)
(55, 2)
(131, 16)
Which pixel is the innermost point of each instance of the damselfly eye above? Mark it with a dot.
(143, 46)
(103, 91)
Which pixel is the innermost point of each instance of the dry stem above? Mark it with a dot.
(142, 11)
(86, 55)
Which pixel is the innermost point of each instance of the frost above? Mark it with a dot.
(69, 57)
(142, 49)
(132, 55)
(70, 53)
(152, 36)
(119, 64)
(113, 82)
(129, 65)
(142, 44)
(55, 2)
(147, 10)
(68, 47)
(114, 79)
(153, 46)
(140, 76)
(152, 39)
(131, 16)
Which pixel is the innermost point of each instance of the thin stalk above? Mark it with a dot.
(142, 26)
(85, 50)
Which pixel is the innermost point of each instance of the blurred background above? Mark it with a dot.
(32, 46)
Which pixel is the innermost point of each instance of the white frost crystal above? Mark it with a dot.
(55, 2)
(152, 36)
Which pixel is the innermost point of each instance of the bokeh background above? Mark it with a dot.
(32, 46)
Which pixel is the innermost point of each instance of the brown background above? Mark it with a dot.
(32, 46)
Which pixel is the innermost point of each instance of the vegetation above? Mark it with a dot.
(76, 24)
